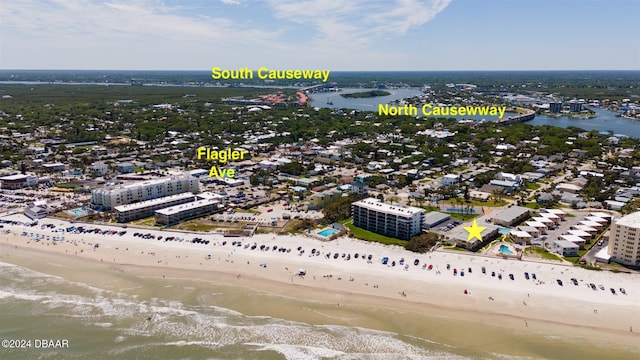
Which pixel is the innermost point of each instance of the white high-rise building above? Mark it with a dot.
(397, 221)
(624, 240)
(111, 196)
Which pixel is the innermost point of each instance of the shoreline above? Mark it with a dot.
(357, 285)
(352, 308)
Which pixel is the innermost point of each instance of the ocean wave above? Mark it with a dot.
(137, 324)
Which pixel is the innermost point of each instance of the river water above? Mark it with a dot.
(605, 120)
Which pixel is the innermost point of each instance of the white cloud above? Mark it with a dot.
(118, 19)
(149, 34)
(358, 20)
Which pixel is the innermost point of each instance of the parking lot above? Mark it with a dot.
(447, 225)
(563, 228)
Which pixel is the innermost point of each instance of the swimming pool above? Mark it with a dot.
(77, 212)
(504, 230)
(504, 249)
(327, 232)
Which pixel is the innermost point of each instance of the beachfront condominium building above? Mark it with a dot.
(111, 196)
(143, 209)
(624, 240)
(175, 214)
(396, 221)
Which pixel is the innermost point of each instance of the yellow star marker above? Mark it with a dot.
(474, 231)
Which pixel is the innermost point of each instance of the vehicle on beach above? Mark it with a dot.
(593, 286)
(461, 273)
(601, 287)
(499, 276)
(574, 281)
(511, 277)
(533, 275)
(559, 282)
(493, 273)
(470, 270)
(484, 270)
(622, 290)
(455, 271)
(613, 291)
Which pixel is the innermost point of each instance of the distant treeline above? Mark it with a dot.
(588, 84)
(366, 94)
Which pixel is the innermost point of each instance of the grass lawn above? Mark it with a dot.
(456, 248)
(197, 227)
(148, 221)
(292, 226)
(532, 186)
(363, 234)
(576, 259)
(347, 221)
(64, 215)
(463, 217)
(543, 253)
(488, 203)
(204, 224)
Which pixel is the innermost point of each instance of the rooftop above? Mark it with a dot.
(398, 210)
(15, 177)
(631, 220)
(192, 205)
(509, 214)
(143, 204)
(565, 244)
(435, 217)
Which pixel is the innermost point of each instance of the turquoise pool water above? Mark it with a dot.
(327, 232)
(503, 230)
(504, 249)
(77, 212)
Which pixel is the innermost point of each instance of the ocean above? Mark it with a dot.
(106, 311)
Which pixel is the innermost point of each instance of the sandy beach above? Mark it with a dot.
(541, 307)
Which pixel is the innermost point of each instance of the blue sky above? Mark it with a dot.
(321, 34)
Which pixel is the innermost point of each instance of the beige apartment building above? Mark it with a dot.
(624, 241)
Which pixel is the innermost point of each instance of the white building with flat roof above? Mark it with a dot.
(111, 196)
(556, 212)
(175, 214)
(18, 181)
(565, 248)
(574, 239)
(624, 240)
(583, 234)
(450, 179)
(397, 221)
(130, 212)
